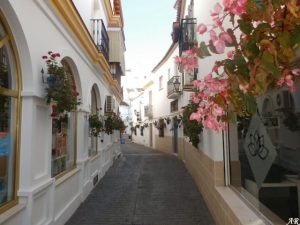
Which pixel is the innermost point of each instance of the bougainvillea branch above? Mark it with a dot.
(261, 39)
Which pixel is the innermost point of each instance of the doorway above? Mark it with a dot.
(151, 135)
(175, 135)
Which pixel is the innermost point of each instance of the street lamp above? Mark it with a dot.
(176, 84)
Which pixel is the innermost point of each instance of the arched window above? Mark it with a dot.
(64, 136)
(9, 117)
(94, 111)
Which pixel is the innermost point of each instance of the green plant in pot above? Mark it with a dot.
(95, 125)
(61, 89)
(113, 122)
(191, 128)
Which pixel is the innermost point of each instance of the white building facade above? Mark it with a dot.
(46, 170)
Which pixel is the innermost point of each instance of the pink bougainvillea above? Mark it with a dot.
(259, 41)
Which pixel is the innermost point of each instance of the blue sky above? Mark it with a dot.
(148, 27)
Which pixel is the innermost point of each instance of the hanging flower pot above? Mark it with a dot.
(60, 88)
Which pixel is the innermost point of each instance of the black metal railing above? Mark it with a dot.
(171, 88)
(100, 37)
(187, 34)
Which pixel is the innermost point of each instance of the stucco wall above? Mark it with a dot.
(43, 200)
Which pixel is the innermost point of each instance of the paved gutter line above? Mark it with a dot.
(137, 188)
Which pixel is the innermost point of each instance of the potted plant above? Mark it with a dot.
(191, 128)
(113, 122)
(161, 125)
(61, 91)
(95, 125)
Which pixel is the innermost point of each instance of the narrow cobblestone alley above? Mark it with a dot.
(144, 187)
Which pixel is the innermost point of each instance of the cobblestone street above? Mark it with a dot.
(144, 187)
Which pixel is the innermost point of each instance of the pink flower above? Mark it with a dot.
(217, 10)
(217, 22)
(290, 83)
(179, 60)
(213, 36)
(196, 116)
(236, 7)
(50, 52)
(296, 71)
(201, 29)
(224, 36)
(211, 123)
(195, 100)
(244, 88)
(218, 110)
(230, 54)
(280, 82)
(215, 68)
(219, 45)
(44, 57)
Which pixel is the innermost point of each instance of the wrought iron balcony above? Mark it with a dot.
(187, 34)
(148, 111)
(100, 37)
(172, 92)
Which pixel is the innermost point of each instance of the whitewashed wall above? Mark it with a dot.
(42, 199)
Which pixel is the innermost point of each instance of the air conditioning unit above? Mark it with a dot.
(283, 99)
(109, 104)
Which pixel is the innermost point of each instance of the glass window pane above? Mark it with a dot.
(62, 143)
(7, 154)
(5, 73)
(265, 153)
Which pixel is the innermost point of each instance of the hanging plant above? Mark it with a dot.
(260, 47)
(95, 125)
(61, 91)
(113, 122)
(161, 124)
(191, 128)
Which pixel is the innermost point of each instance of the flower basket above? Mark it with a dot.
(95, 125)
(114, 122)
(60, 87)
(161, 124)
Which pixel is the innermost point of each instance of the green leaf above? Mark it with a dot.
(276, 72)
(229, 66)
(263, 27)
(250, 101)
(267, 57)
(203, 50)
(251, 49)
(284, 39)
(295, 37)
(245, 26)
(239, 60)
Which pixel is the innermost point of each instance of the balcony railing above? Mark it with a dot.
(172, 92)
(187, 34)
(148, 110)
(100, 37)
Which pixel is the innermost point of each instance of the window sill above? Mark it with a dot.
(12, 212)
(63, 176)
(94, 157)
